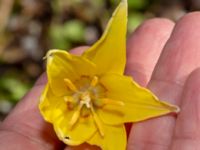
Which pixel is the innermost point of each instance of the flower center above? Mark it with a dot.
(86, 96)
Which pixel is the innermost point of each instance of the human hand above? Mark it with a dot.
(168, 68)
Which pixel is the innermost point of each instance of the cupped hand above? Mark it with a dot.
(161, 56)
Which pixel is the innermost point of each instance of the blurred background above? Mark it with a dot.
(28, 28)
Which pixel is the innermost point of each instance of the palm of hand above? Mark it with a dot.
(175, 78)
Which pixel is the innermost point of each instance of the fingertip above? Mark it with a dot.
(157, 26)
(144, 47)
(190, 17)
(78, 50)
(42, 79)
(193, 82)
(187, 31)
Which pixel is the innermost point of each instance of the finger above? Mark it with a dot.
(26, 124)
(143, 52)
(180, 57)
(144, 48)
(187, 133)
(83, 147)
(78, 50)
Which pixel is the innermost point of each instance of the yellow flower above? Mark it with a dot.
(88, 99)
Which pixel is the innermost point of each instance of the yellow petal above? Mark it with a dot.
(62, 65)
(109, 53)
(114, 139)
(139, 103)
(81, 132)
(49, 105)
(54, 110)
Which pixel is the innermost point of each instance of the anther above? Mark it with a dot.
(98, 122)
(70, 85)
(112, 102)
(94, 81)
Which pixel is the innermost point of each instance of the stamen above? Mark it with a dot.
(75, 116)
(70, 85)
(112, 102)
(94, 82)
(98, 122)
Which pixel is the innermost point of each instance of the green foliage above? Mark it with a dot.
(134, 20)
(12, 88)
(63, 35)
(137, 4)
(74, 30)
(57, 37)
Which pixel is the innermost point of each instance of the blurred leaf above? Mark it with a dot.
(134, 20)
(58, 39)
(13, 89)
(74, 30)
(137, 4)
(5, 106)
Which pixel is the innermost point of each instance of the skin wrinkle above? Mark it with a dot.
(31, 139)
(186, 140)
(176, 83)
(164, 92)
(148, 143)
(21, 142)
(189, 137)
(15, 128)
(142, 58)
(181, 46)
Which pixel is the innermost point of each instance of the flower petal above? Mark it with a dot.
(139, 103)
(114, 139)
(54, 109)
(81, 132)
(109, 53)
(49, 105)
(61, 65)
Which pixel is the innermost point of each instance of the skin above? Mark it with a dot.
(163, 57)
